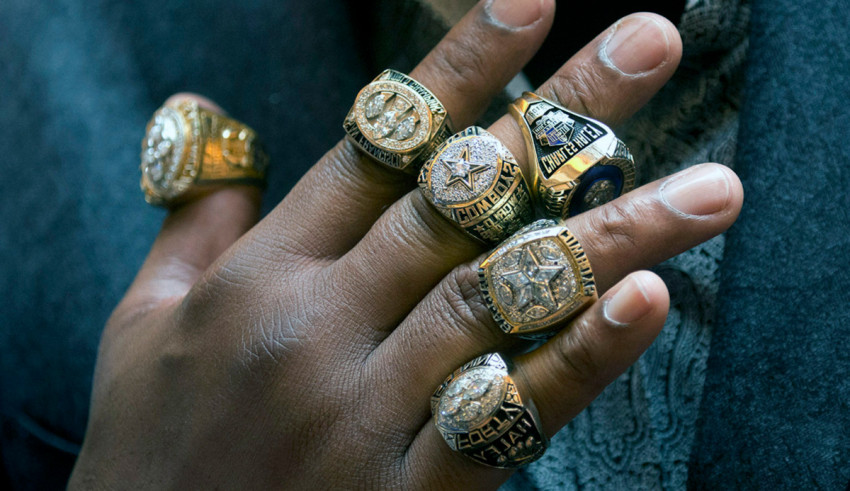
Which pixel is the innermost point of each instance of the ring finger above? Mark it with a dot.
(564, 375)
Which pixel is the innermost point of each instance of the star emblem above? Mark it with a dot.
(463, 170)
(532, 281)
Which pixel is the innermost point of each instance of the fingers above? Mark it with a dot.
(642, 228)
(658, 221)
(411, 247)
(193, 235)
(610, 78)
(565, 374)
(337, 201)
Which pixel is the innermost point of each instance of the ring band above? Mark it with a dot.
(577, 163)
(187, 148)
(474, 180)
(479, 412)
(537, 280)
(397, 121)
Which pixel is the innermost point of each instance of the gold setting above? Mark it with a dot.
(187, 148)
(577, 163)
(474, 181)
(537, 281)
(397, 121)
(479, 412)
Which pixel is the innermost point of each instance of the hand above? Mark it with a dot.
(302, 350)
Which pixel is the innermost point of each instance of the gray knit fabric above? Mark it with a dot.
(639, 432)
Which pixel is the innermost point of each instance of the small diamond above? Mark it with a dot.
(599, 193)
(405, 128)
(375, 106)
(477, 389)
(449, 407)
(154, 170)
(457, 387)
(386, 123)
(469, 411)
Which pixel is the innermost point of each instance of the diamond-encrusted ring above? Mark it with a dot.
(479, 412)
(475, 182)
(537, 280)
(576, 162)
(397, 121)
(187, 149)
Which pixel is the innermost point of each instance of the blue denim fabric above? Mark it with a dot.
(776, 405)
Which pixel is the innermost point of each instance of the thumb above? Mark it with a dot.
(193, 236)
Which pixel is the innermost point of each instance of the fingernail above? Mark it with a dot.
(699, 191)
(637, 45)
(628, 304)
(514, 13)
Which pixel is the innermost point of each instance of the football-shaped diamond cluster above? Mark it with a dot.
(471, 398)
(392, 116)
(162, 149)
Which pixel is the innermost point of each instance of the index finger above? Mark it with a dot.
(340, 198)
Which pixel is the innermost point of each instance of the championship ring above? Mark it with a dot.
(187, 148)
(479, 412)
(475, 182)
(397, 121)
(537, 281)
(576, 162)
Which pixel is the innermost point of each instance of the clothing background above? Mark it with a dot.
(81, 78)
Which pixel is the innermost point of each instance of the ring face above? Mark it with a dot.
(479, 412)
(164, 149)
(397, 121)
(475, 182)
(186, 146)
(577, 162)
(471, 399)
(537, 281)
(392, 116)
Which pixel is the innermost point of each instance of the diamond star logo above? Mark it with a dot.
(531, 282)
(463, 170)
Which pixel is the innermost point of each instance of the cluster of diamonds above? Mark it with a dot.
(162, 149)
(465, 169)
(533, 281)
(392, 116)
(471, 398)
(599, 193)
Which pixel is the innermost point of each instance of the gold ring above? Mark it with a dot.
(475, 182)
(479, 412)
(187, 148)
(577, 163)
(397, 121)
(537, 280)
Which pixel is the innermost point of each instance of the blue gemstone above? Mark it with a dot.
(593, 175)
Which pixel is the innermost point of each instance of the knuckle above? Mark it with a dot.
(616, 227)
(421, 225)
(461, 61)
(211, 296)
(583, 363)
(467, 313)
(580, 89)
